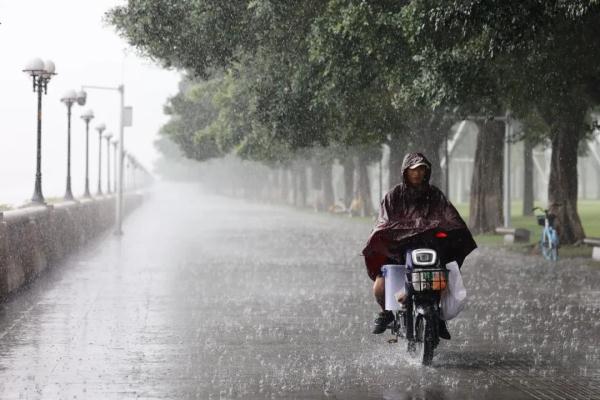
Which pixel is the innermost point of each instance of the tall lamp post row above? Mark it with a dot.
(100, 128)
(87, 117)
(41, 72)
(69, 98)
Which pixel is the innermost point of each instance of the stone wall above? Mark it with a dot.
(35, 238)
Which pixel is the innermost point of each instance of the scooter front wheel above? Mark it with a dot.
(424, 342)
(428, 344)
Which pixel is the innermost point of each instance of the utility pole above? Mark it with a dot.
(507, 163)
(119, 155)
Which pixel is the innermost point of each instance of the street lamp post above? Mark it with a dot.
(69, 98)
(100, 128)
(132, 172)
(119, 184)
(108, 136)
(87, 117)
(115, 143)
(41, 73)
(507, 162)
(127, 182)
(125, 170)
(447, 171)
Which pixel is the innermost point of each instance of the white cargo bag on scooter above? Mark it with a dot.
(454, 297)
(395, 278)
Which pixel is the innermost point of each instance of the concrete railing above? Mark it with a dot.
(35, 238)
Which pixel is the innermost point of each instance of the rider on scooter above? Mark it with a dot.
(409, 209)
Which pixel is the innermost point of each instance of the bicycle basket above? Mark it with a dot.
(424, 280)
(541, 220)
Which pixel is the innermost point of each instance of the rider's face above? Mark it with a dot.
(416, 176)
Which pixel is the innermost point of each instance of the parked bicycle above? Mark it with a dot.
(549, 238)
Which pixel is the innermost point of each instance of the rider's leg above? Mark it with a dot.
(379, 291)
(384, 317)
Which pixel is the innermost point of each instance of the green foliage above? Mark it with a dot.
(295, 75)
(357, 51)
(192, 111)
(519, 55)
(198, 35)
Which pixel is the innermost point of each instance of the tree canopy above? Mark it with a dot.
(268, 79)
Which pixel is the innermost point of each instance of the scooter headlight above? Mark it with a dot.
(424, 257)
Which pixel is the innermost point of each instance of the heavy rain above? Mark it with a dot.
(212, 200)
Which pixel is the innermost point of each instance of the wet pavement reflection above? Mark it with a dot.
(207, 297)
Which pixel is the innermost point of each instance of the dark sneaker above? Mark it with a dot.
(443, 330)
(382, 321)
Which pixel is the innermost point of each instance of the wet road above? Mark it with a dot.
(213, 298)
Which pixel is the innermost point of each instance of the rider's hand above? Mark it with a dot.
(400, 296)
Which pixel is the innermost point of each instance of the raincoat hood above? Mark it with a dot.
(407, 212)
(412, 159)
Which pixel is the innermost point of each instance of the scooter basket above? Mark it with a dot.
(429, 280)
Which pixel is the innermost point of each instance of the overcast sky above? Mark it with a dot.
(86, 52)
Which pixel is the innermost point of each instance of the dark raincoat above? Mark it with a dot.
(406, 212)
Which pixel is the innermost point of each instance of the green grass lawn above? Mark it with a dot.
(589, 212)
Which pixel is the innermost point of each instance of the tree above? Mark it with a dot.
(192, 111)
(366, 73)
(485, 207)
(531, 55)
(198, 36)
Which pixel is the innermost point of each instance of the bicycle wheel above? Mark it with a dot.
(554, 254)
(546, 245)
(554, 245)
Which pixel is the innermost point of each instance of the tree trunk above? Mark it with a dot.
(562, 187)
(348, 164)
(285, 186)
(316, 184)
(276, 187)
(397, 150)
(528, 178)
(294, 173)
(316, 175)
(486, 187)
(327, 181)
(364, 187)
(302, 186)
